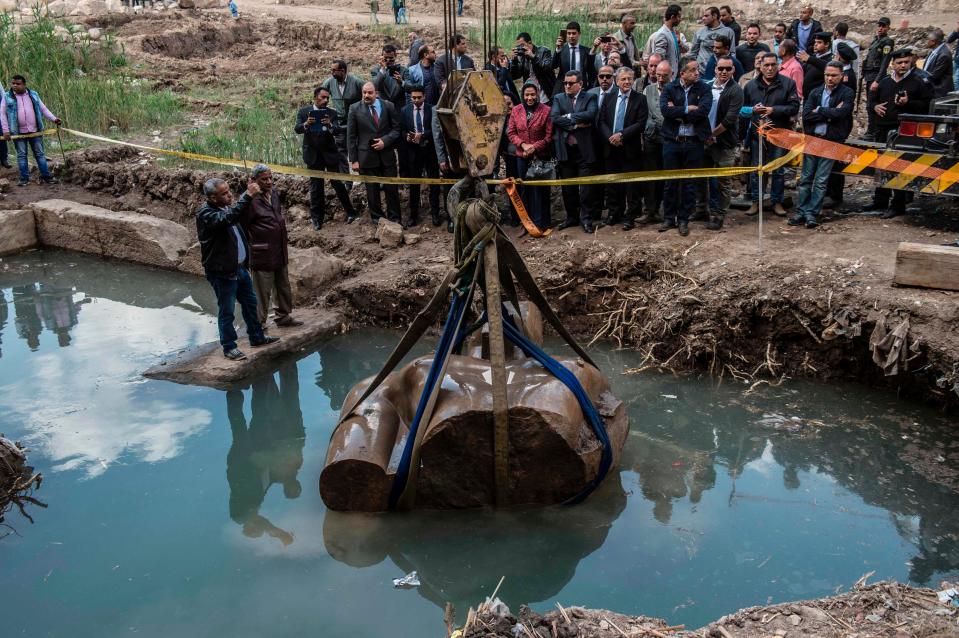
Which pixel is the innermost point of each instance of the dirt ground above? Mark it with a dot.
(807, 303)
(885, 609)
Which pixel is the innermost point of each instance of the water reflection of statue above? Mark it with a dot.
(27, 315)
(460, 555)
(268, 451)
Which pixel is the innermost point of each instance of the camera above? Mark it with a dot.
(520, 50)
(606, 38)
(393, 69)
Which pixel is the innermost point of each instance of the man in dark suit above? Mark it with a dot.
(939, 64)
(804, 29)
(723, 138)
(387, 77)
(622, 123)
(372, 132)
(814, 66)
(573, 114)
(417, 154)
(460, 61)
(572, 56)
(320, 154)
(685, 103)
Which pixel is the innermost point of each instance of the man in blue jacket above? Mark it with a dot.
(827, 113)
(225, 253)
(685, 103)
(24, 114)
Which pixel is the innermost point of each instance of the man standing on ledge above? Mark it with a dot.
(225, 255)
(265, 227)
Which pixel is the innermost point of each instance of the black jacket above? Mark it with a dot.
(918, 90)
(727, 114)
(361, 131)
(214, 229)
(319, 149)
(814, 73)
(700, 95)
(587, 106)
(634, 124)
(780, 95)
(539, 66)
(793, 34)
(838, 118)
(562, 62)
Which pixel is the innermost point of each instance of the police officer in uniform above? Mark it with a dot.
(875, 66)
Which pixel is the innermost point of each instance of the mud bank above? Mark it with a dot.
(886, 609)
(815, 303)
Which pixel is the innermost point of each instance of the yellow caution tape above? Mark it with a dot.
(618, 178)
(24, 136)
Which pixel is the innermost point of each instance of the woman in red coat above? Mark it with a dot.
(530, 131)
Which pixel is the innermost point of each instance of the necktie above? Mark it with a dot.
(376, 118)
(620, 113)
(419, 120)
(573, 58)
(459, 63)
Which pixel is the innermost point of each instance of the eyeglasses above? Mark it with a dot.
(570, 83)
(724, 69)
(605, 75)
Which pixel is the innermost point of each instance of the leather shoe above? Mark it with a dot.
(566, 223)
(873, 207)
(267, 340)
(350, 219)
(889, 214)
(666, 225)
(628, 225)
(811, 223)
(588, 228)
(753, 209)
(795, 221)
(289, 323)
(435, 219)
(234, 355)
(715, 223)
(317, 224)
(779, 210)
(642, 219)
(683, 229)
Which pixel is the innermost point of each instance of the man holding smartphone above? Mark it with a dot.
(319, 125)
(572, 56)
(902, 91)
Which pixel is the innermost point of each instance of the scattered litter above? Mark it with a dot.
(409, 581)
(669, 396)
(950, 596)
(497, 607)
(874, 618)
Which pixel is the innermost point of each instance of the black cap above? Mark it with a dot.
(846, 52)
(884, 22)
(825, 36)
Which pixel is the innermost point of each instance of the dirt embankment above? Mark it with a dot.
(812, 304)
(883, 610)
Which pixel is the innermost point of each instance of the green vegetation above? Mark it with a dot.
(82, 82)
(543, 22)
(258, 128)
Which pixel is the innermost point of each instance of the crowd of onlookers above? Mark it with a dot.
(611, 107)
(615, 105)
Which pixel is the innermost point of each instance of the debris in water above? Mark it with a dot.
(409, 581)
(950, 596)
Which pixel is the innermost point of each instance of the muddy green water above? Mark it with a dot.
(182, 511)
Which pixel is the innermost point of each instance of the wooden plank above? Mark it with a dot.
(927, 266)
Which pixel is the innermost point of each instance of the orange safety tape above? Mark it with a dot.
(528, 224)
